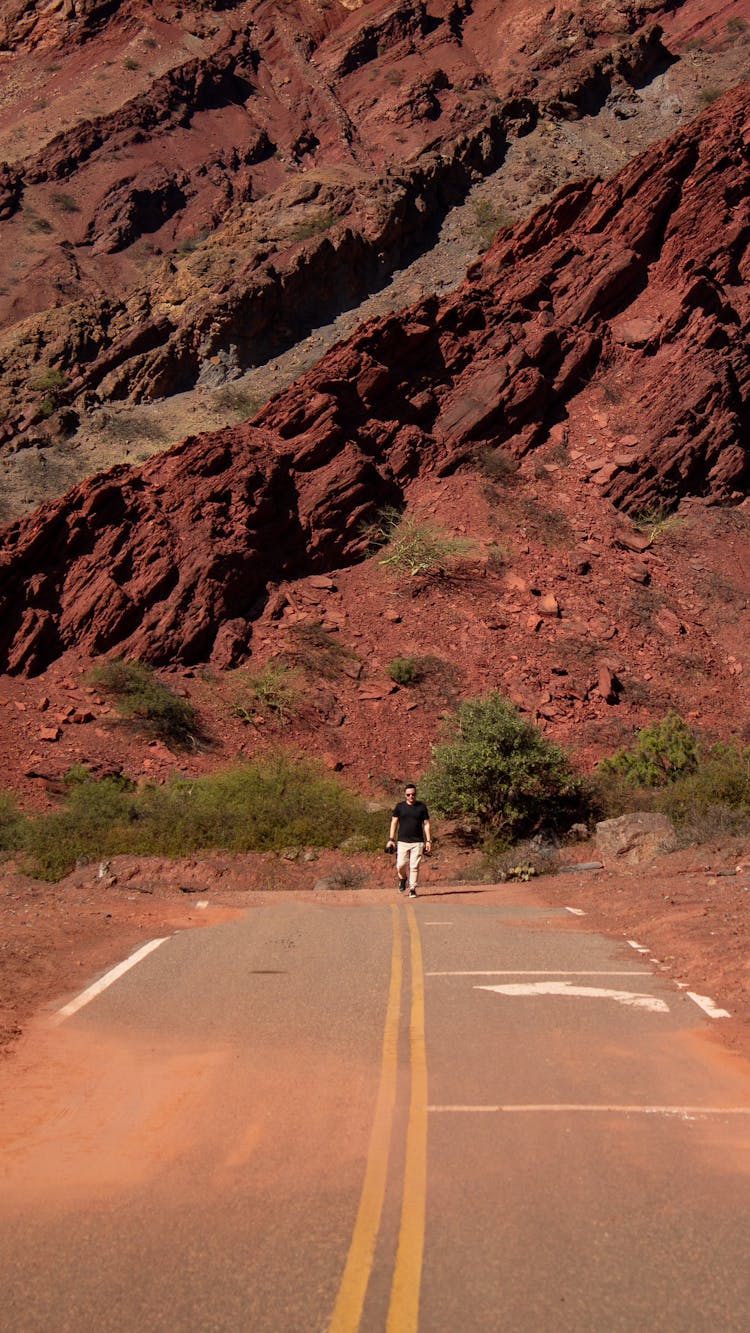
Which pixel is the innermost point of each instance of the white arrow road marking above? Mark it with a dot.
(548, 972)
(629, 998)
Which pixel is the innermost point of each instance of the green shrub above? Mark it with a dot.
(405, 670)
(142, 698)
(704, 790)
(48, 382)
(313, 226)
(718, 784)
(94, 822)
(11, 824)
(275, 692)
(661, 754)
(266, 805)
(501, 770)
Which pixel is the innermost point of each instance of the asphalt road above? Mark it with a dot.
(326, 1116)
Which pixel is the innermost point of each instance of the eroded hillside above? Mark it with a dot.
(189, 189)
(591, 371)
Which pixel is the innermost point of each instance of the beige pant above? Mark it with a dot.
(408, 857)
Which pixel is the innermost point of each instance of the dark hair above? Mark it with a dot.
(410, 784)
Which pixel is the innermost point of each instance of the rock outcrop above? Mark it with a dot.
(284, 168)
(626, 302)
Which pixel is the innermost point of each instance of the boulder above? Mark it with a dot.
(635, 839)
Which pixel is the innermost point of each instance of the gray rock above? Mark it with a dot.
(635, 839)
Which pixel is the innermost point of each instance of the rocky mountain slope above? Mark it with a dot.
(630, 296)
(189, 188)
(227, 177)
(591, 371)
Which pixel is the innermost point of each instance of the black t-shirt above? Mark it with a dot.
(410, 820)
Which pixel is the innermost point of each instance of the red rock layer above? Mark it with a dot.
(634, 292)
(212, 203)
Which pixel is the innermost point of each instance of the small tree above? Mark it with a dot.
(500, 769)
(660, 754)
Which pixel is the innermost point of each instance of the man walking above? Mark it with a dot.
(410, 823)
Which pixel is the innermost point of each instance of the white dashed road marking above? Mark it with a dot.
(705, 1003)
(576, 911)
(116, 972)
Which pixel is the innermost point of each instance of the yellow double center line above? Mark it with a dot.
(403, 1311)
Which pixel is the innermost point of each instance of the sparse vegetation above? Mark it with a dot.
(313, 226)
(275, 692)
(491, 219)
(497, 558)
(141, 698)
(35, 223)
(130, 64)
(49, 381)
(552, 525)
(654, 521)
(191, 243)
(346, 877)
(317, 649)
(495, 464)
(707, 96)
(414, 547)
(500, 770)
(238, 401)
(405, 670)
(521, 863)
(129, 425)
(65, 202)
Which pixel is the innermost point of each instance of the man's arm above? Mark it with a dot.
(427, 833)
(393, 829)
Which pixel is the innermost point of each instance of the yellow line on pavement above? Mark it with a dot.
(353, 1289)
(403, 1312)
